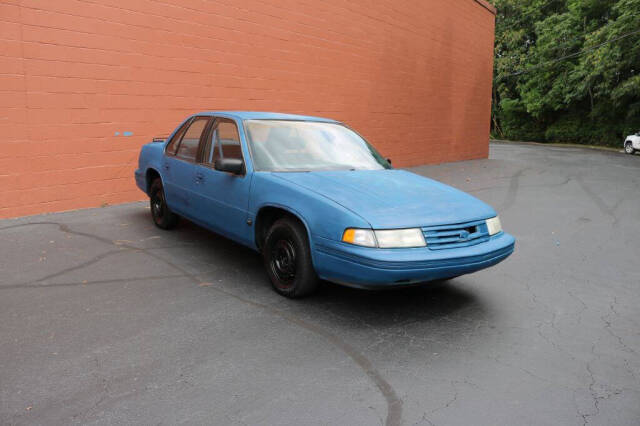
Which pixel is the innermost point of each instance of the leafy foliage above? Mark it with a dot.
(567, 70)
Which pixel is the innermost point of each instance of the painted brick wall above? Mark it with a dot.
(413, 76)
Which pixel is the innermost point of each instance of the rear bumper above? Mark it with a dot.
(377, 268)
(141, 180)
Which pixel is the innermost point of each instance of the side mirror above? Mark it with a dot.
(230, 165)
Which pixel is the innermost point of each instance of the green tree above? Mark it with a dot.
(567, 70)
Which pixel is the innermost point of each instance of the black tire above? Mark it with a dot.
(628, 148)
(287, 259)
(162, 216)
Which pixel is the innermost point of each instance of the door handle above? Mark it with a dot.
(199, 177)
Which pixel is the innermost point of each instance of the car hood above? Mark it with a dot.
(393, 198)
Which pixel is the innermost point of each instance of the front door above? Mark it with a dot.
(223, 198)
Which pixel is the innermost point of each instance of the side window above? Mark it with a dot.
(223, 143)
(188, 149)
(173, 145)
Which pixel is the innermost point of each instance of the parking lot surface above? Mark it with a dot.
(105, 319)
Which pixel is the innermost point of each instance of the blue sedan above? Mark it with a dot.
(317, 201)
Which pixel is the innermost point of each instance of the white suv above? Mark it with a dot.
(632, 143)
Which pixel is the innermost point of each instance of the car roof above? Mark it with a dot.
(260, 115)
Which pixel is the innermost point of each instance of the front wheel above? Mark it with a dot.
(162, 216)
(628, 148)
(287, 258)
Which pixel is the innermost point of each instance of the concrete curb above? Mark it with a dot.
(560, 145)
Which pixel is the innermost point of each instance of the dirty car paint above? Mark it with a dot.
(328, 202)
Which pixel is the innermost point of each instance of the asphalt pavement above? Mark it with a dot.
(105, 319)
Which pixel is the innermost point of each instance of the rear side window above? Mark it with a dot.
(188, 149)
(223, 143)
(173, 145)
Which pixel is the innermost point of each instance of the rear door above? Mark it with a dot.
(170, 151)
(223, 197)
(179, 167)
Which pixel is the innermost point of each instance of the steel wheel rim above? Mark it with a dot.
(157, 206)
(283, 262)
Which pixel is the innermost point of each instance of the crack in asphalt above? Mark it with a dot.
(394, 403)
(594, 396)
(448, 403)
(89, 262)
(512, 191)
(607, 326)
(93, 282)
(597, 397)
(543, 185)
(599, 202)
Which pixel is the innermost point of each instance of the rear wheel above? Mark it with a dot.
(162, 216)
(628, 148)
(287, 258)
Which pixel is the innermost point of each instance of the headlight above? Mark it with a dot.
(396, 238)
(493, 225)
(386, 238)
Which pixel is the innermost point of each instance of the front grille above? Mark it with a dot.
(453, 236)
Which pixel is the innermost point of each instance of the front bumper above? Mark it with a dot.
(376, 268)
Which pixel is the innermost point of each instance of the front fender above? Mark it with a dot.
(321, 216)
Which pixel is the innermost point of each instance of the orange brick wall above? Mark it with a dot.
(413, 76)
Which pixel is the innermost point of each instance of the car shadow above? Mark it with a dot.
(452, 300)
(425, 301)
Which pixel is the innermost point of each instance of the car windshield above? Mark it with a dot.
(280, 145)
